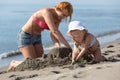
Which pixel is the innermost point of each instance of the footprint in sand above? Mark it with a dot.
(56, 72)
(107, 52)
(61, 77)
(80, 75)
(113, 59)
(103, 67)
(110, 46)
(99, 68)
(13, 75)
(23, 77)
(118, 55)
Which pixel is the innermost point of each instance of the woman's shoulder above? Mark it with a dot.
(49, 11)
(43, 11)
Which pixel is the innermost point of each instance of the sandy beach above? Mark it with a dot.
(107, 70)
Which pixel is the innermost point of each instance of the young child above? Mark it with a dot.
(84, 42)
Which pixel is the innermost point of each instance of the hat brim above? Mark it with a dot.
(69, 35)
(78, 28)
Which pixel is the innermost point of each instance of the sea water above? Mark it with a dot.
(101, 20)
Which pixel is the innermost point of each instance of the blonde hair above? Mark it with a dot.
(65, 7)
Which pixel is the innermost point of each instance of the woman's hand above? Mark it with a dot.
(70, 50)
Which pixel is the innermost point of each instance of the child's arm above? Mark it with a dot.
(84, 47)
(83, 50)
(75, 52)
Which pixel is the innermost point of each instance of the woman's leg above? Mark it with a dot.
(28, 51)
(39, 50)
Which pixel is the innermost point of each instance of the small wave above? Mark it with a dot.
(9, 54)
(108, 33)
(47, 48)
(17, 52)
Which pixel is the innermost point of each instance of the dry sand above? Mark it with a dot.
(108, 70)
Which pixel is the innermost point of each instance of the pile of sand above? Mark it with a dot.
(55, 57)
(58, 57)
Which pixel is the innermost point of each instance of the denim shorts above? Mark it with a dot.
(25, 39)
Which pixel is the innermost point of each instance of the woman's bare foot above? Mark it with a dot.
(13, 64)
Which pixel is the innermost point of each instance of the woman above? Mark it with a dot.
(29, 38)
(47, 18)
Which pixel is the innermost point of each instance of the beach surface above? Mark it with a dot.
(107, 70)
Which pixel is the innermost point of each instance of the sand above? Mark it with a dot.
(58, 67)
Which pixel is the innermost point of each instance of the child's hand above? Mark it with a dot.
(76, 60)
(73, 62)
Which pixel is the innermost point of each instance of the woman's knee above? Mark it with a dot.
(28, 52)
(39, 50)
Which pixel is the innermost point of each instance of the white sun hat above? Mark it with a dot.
(74, 25)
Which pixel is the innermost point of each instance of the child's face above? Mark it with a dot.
(77, 35)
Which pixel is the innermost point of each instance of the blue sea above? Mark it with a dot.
(101, 20)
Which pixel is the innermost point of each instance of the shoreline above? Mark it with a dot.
(103, 39)
(101, 71)
(100, 36)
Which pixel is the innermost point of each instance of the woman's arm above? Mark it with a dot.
(55, 41)
(51, 24)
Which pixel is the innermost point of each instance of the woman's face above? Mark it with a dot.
(63, 14)
(77, 35)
